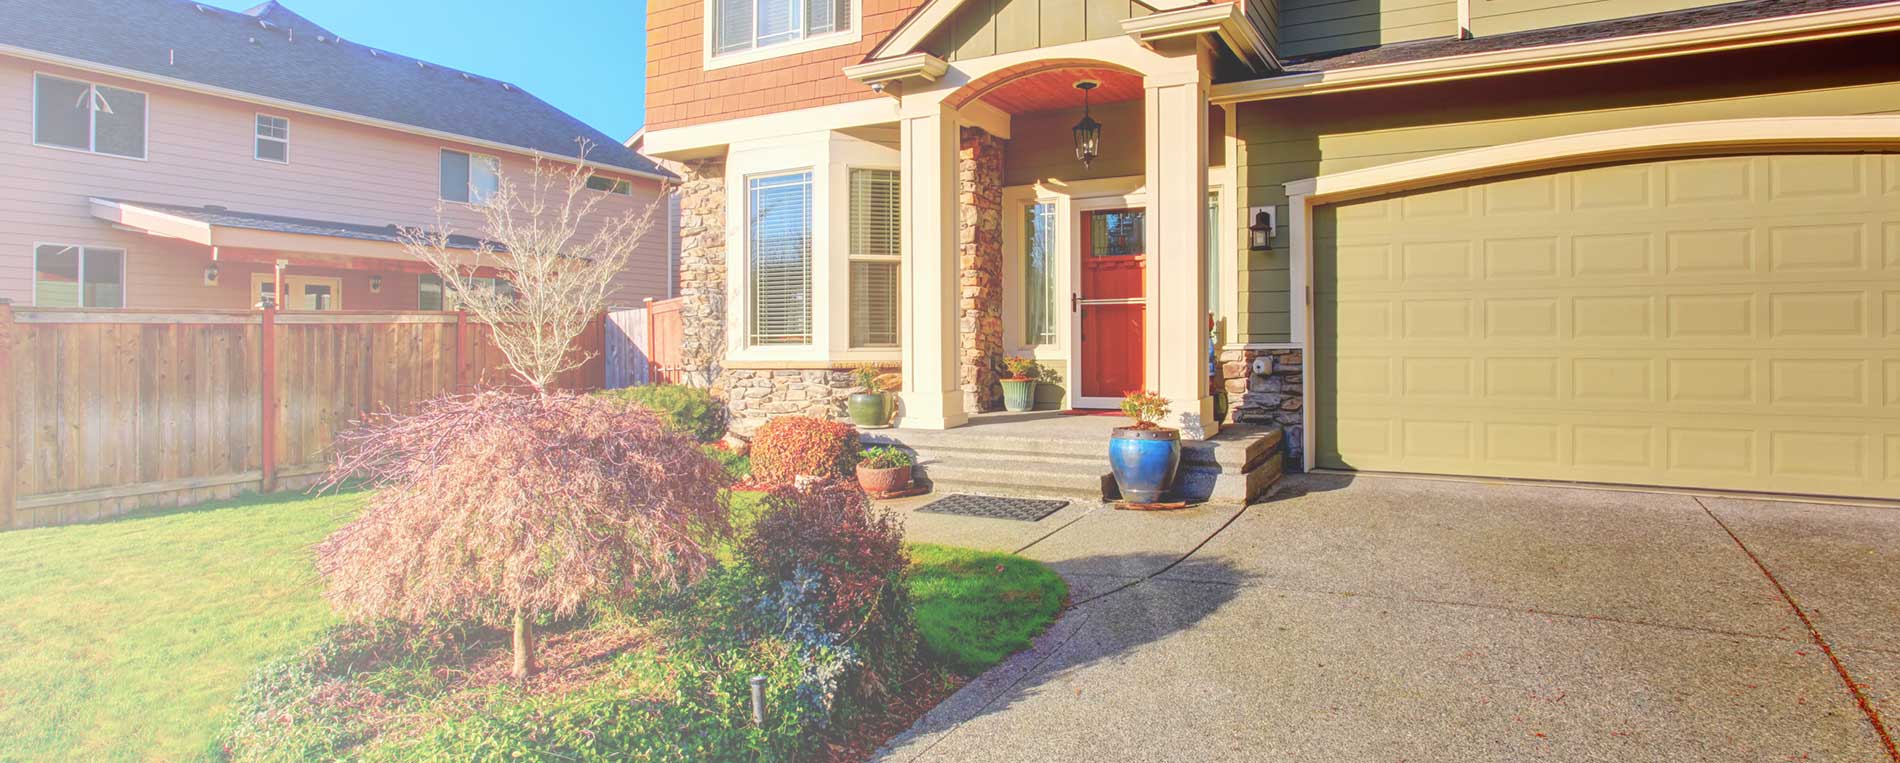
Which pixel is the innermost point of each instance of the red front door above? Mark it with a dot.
(1114, 261)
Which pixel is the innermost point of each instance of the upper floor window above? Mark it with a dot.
(469, 178)
(779, 258)
(78, 276)
(273, 139)
(749, 24)
(605, 184)
(86, 117)
(875, 255)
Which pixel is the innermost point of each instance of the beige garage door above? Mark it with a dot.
(1729, 322)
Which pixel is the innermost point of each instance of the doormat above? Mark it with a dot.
(993, 507)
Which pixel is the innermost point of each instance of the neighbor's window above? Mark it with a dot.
(78, 276)
(1039, 276)
(470, 178)
(749, 24)
(875, 250)
(606, 184)
(273, 139)
(85, 117)
(779, 255)
(431, 295)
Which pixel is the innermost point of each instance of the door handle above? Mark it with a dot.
(1075, 301)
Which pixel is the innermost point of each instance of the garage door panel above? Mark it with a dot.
(1727, 322)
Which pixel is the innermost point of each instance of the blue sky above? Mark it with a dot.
(587, 57)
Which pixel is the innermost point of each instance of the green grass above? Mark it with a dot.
(975, 608)
(128, 640)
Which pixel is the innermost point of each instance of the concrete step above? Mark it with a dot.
(1021, 476)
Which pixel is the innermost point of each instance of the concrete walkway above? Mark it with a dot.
(1389, 619)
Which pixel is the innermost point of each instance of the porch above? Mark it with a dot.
(1064, 454)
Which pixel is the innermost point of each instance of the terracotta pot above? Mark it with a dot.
(886, 480)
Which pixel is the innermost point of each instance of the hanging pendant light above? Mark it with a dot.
(1088, 132)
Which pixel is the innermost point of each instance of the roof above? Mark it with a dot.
(1443, 47)
(272, 52)
(220, 217)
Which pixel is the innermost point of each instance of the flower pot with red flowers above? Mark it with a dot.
(1144, 456)
(884, 469)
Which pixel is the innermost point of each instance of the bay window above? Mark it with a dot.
(875, 254)
(779, 258)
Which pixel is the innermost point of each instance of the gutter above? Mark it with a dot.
(304, 108)
(1821, 25)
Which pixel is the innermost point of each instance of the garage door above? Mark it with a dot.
(1729, 322)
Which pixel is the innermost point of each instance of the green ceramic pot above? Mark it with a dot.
(869, 410)
(1019, 394)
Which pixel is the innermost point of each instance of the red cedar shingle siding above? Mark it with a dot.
(681, 93)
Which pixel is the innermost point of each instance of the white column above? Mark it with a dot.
(1176, 154)
(931, 398)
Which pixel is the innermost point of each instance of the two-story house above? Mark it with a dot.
(168, 154)
(1652, 242)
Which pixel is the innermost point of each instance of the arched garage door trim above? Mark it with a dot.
(1652, 142)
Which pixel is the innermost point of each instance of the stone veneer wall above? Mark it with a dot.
(702, 267)
(980, 257)
(1273, 398)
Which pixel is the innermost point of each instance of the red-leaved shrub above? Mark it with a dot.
(857, 550)
(793, 446)
(498, 506)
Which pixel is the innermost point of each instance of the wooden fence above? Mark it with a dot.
(107, 411)
(643, 344)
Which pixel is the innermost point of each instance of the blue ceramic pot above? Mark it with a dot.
(1144, 461)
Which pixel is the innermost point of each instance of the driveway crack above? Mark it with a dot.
(1860, 698)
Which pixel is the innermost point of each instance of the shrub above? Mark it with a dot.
(737, 464)
(1146, 408)
(499, 506)
(884, 457)
(691, 411)
(793, 446)
(866, 374)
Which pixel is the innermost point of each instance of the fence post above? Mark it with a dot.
(7, 460)
(268, 379)
(461, 350)
(647, 352)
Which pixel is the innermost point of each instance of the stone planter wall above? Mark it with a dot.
(754, 395)
(1273, 398)
(980, 257)
(702, 267)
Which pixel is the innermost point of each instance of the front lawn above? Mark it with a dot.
(129, 640)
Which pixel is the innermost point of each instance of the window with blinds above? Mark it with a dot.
(779, 257)
(875, 250)
(1039, 277)
(749, 24)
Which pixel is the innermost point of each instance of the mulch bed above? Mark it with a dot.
(909, 701)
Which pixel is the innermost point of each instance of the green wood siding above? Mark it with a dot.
(1291, 139)
(1316, 26)
(988, 27)
(1500, 16)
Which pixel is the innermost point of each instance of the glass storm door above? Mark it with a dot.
(1113, 304)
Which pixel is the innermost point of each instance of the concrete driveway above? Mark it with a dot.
(1390, 619)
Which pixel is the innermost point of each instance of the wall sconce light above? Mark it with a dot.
(1260, 231)
(1088, 132)
(211, 274)
(375, 284)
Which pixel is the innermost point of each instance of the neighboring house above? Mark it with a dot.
(166, 154)
(1633, 241)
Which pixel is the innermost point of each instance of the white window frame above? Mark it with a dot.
(258, 137)
(748, 323)
(472, 156)
(711, 59)
(125, 281)
(853, 257)
(92, 127)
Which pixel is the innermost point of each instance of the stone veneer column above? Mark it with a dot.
(980, 274)
(702, 267)
(1275, 397)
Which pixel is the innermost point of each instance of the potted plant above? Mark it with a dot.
(1019, 388)
(870, 408)
(1144, 456)
(884, 469)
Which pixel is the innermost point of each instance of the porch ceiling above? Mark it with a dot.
(1055, 89)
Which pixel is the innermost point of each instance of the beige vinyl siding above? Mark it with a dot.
(988, 27)
(1722, 322)
(200, 151)
(1043, 147)
(1319, 26)
(1291, 139)
(1501, 16)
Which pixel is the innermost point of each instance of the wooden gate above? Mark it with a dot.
(665, 330)
(643, 344)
